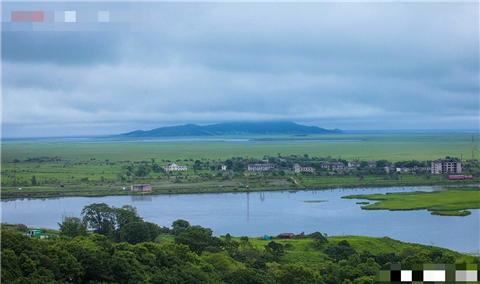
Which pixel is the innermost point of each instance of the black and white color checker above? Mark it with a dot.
(429, 274)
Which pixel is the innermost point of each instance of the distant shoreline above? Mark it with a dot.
(92, 191)
(374, 131)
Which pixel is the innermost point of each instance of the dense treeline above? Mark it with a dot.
(130, 252)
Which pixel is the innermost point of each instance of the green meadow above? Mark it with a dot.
(301, 250)
(451, 202)
(393, 147)
(92, 167)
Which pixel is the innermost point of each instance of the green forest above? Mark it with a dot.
(115, 245)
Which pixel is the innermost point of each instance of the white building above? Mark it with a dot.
(446, 166)
(372, 164)
(174, 167)
(353, 164)
(302, 169)
(260, 167)
(325, 165)
(338, 166)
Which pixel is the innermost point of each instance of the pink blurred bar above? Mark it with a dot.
(38, 16)
(27, 16)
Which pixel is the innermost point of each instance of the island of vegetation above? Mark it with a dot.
(115, 245)
(452, 202)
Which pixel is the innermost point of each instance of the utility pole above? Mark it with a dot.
(15, 172)
(248, 174)
(473, 149)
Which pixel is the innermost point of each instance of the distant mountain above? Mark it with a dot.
(232, 128)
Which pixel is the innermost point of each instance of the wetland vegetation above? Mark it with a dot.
(451, 202)
(105, 166)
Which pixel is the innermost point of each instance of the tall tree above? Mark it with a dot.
(126, 214)
(275, 249)
(100, 217)
(297, 273)
(72, 227)
(179, 226)
(135, 232)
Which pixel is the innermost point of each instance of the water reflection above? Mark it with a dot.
(248, 206)
(141, 198)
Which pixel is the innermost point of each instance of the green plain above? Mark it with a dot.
(90, 167)
(393, 147)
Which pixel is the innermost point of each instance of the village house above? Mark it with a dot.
(389, 169)
(174, 167)
(446, 166)
(302, 169)
(422, 169)
(287, 235)
(338, 166)
(403, 170)
(325, 165)
(353, 164)
(224, 167)
(372, 164)
(260, 167)
(141, 187)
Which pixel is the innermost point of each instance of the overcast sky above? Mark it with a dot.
(353, 66)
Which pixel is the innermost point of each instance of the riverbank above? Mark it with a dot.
(206, 187)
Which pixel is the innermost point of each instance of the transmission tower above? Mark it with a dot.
(473, 149)
(15, 172)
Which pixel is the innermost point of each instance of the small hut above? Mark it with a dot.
(287, 235)
(141, 187)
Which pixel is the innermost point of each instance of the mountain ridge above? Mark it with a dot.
(262, 128)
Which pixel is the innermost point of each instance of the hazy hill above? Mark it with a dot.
(232, 128)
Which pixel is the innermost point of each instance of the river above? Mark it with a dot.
(269, 213)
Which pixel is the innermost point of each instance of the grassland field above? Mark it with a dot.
(91, 166)
(392, 147)
(302, 252)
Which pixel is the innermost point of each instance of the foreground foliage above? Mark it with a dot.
(196, 256)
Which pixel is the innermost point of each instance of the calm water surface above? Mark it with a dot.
(269, 213)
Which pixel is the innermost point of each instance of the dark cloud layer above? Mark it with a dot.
(61, 48)
(335, 65)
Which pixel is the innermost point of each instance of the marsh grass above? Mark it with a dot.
(449, 202)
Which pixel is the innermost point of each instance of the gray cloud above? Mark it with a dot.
(345, 65)
(61, 48)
